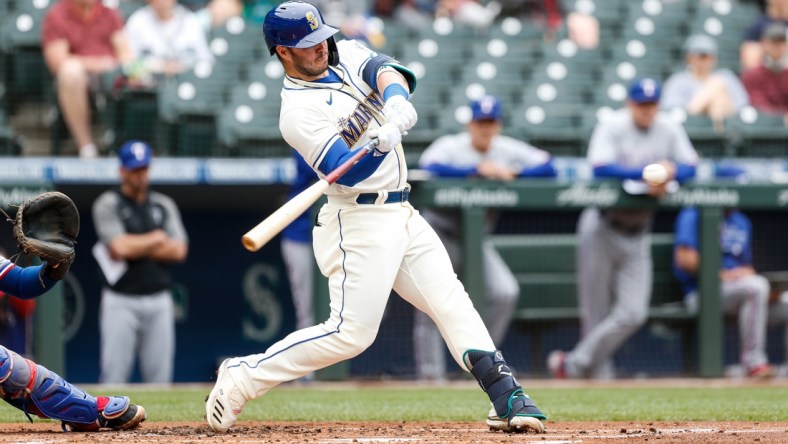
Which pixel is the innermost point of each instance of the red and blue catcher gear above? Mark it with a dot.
(33, 388)
(299, 25)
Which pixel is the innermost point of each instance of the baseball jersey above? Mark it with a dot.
(115, 214)
(735, 241)
(315, 115)
(616, 140)
(5, 266)
(457, 151)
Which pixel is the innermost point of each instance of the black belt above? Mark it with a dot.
(393, 197)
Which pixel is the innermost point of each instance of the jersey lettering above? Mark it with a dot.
(353, 126)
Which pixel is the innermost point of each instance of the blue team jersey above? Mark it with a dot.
(5, 267)
(735, 242)
(300, 230)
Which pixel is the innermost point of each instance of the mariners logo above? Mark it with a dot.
(310, 17)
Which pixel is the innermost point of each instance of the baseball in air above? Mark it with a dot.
(655, 174)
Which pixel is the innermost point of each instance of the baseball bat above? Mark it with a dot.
(258, 236)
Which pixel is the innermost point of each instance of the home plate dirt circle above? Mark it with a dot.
(410, 432)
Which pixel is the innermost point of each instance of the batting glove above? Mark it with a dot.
(388, 137)
(400, 112)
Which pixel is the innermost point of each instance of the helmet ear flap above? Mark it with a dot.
(333, 52)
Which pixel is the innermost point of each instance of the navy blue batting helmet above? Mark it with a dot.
(298, 25)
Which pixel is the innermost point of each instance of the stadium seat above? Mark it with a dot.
(443, 29)
(248, 125)
(8, 145)
(26, 75)
(556, 129)
(758, 134)
(514, 29)
(235, 44)
(555, 94)
(188, 106)
(708, 141)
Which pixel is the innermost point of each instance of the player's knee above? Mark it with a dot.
(632, 319)
(14, 372)
(758, 286)
(356, 340)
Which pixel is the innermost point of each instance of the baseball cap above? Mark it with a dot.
(776, 31)
(700, 44)
(486, 108)
(134, 154)
(645, 90)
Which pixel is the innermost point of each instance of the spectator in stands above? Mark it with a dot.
(767, 84)
(469, 12)
(702, 88)
(351, 17)
(614, 264)
(415, 14)
(751, 50)
(82, 39)
(581, 27)
(217, 12)
(166, 38)
(743, 291)
(483, 152)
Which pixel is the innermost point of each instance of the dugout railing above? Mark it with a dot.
(474, 197)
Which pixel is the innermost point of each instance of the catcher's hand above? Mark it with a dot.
(47, 226)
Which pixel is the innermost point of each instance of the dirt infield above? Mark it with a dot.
(371, 432)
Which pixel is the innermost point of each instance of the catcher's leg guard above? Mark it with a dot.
(513, 410)
(35, 389)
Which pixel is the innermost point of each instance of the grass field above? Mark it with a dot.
(765, 403)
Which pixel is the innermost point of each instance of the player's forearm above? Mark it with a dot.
(136, 246)
(441, 170)
(687, 259)
(170, 251)
(26, 282)
(392, 78)
(685, 171)
(615, 171)
(546, 169)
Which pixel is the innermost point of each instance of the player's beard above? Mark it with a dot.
(315, 69)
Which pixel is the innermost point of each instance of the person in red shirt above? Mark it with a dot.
(82, 39)
(767, 84)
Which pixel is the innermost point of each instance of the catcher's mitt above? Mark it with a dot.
(47, 226)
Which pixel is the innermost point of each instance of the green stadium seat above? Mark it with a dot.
(249, 124)
(555, 128)
(443, 30)
(26, 75)
(513, 29)
(188, 106)
(758, 134)
(708, 141)
(235, 44)
(8, 145)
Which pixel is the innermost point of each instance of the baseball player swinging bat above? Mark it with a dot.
(258, 236)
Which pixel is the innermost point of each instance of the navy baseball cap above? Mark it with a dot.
(135, 154)
(486, 108)
(645, 90)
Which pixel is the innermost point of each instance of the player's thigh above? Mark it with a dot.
(426, 277)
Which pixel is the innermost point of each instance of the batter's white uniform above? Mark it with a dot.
(365, 250)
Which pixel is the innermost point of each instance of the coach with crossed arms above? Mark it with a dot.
(144, 235)
(338, 97)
